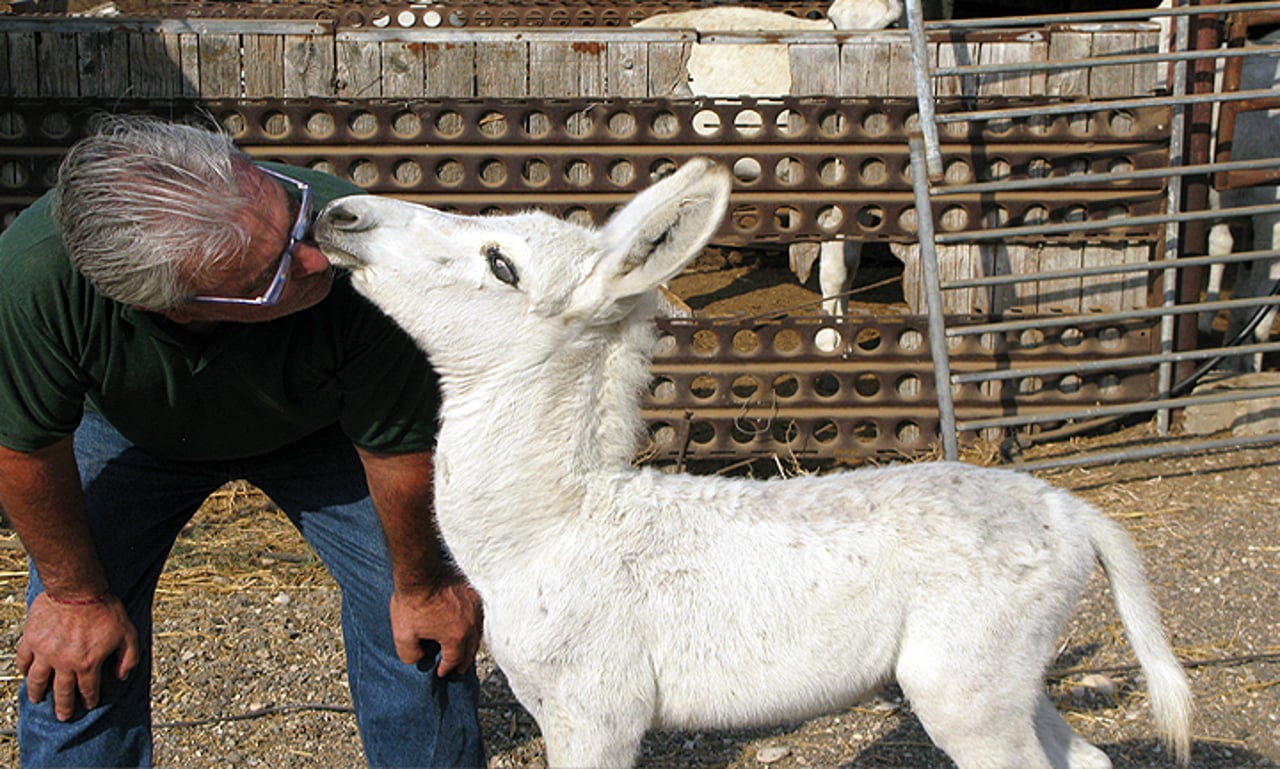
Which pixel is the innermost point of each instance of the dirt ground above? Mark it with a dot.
(249, 668)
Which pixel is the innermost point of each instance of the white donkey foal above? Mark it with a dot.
(619, 599)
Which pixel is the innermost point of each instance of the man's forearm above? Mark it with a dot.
(40, 494)
(401, 488)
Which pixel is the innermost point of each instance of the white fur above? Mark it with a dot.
(619, 599)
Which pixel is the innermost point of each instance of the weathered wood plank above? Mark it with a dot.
(220, 66)
(1067, 45)
(864, 68)
(957, 54)
(56, 64)
(155, 67)
(23, 76)
(1111, 81)
(502, 69)
(359, 69)
(189, 56)
(556, 70)
(402, 69)
(1061, 295)
(627, 69)
(449, 69)
(668, 68)
(309, 66)
(103, 62)
(263, 66)
(815, 69)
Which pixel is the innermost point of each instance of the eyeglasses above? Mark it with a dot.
(300, 226)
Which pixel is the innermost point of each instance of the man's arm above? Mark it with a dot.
(75, 625)
(432, 601)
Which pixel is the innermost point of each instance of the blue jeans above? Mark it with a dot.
(137, 503)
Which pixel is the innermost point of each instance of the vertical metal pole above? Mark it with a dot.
(1172, 243)
(933, 302)
(924, 89)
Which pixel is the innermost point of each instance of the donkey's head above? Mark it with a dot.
(458, 284)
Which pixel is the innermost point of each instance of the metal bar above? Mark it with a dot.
(1183, 262)
(1053, 182)
(924, 90)
(1057, 321)
(970, 70)
(1118, 409)
(1148, 452)
(1074, 108)
(1137, 14)
(933, 301)
(1108, 364)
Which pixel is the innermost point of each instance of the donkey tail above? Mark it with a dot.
(1171, 702)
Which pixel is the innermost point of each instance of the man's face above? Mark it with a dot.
(307, 278)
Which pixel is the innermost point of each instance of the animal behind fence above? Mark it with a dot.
(621, 598)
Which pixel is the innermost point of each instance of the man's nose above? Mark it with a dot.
(308, 260)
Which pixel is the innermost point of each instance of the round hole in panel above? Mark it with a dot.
(995, 216)
(875, 123)
(1040, 125)
(907, 386)
(1121, 165)
(705, 342)
(1116, 211)
(907, 219)
(667, 344)
(275, 124)
(826, 384)
(745, 386)
(449, 124)
(1039, 168)
(323, 166)
(826, 431)
(789, 171)
(406, 173)
(579, 124)
(363, 172)
(830, 218)
(14, 175)
(1071, 337)
(362, 123)
(432, 19)
(786, 386)
(745, 218)
(493, 124)
(787, 341)
(702, 432)
(406, 124)
(873, 171)
(997, 169)
(320, 125)
(493, 172)
(233, 123)
(621, 172)
(747, 170)
(958, 172)
(870, 217)
(867, 384)
(954, 218)
(663, 389)
(911, 340)
(787, 218)
(536, 172)
(664, 124)
(578, 173)
(1110, 337)
(449, 173)
(833, 124)
(956, 130)
(13, 125)
(1031, 338)
(1070, 384)
(406, 18)
(661, 168)
(907, 432)
(1109, 384)
(865, 431)
(832, 170)
(536, 124)
(1030, 385)
(746, 341)
(791, 123)
(706, 123)
(579, 216)
(1036, 214)
(621, 124)
(662, 435)
(381, 20)
(747, 123)
(1123, 122)
(868, 339)
(784, 432)
(703, 386)
(742, 432)
(1076, 213)
(1000, 125)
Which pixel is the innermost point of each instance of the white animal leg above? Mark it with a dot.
(1263, 275)
(591, 742)
(838, 263)
(1221, 243)
(1065, 748)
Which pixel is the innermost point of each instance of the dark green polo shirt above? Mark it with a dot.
(248, 389)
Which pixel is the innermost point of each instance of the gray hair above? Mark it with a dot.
(145, 205)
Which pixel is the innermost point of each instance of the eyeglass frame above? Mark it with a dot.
(301, 224)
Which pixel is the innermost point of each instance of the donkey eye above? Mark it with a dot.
(501, 266)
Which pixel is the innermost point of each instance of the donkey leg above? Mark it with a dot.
(1065, 748)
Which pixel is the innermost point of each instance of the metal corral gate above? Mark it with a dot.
(1057, 150)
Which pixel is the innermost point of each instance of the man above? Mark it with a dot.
(192, 337)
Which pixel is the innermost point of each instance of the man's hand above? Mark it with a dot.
(450, 615)
(64, 648)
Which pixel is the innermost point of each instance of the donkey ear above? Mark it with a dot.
(662, 229)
